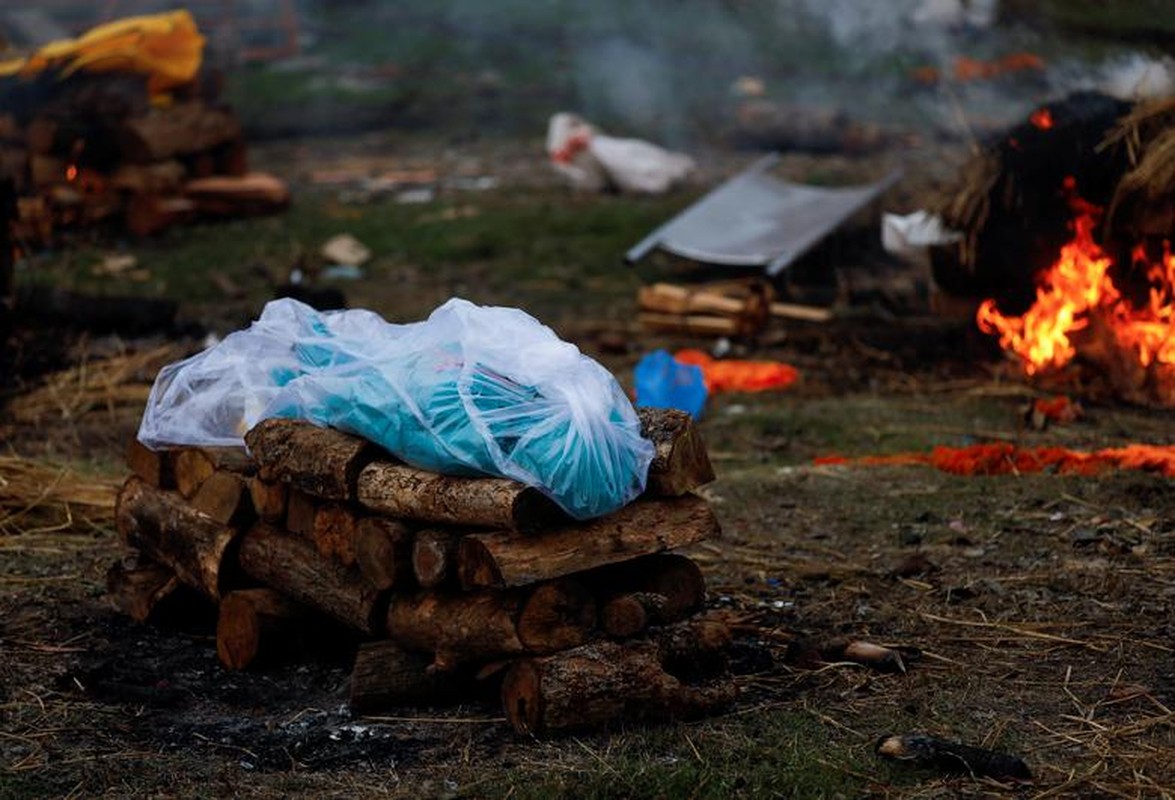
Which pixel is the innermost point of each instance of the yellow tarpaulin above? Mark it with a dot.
(166, 47)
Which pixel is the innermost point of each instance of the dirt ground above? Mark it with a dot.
(1033, 610)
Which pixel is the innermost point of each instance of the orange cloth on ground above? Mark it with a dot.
(1002, 458)
(739, 376)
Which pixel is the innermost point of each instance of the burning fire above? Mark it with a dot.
(1078, 294)
(71, 173)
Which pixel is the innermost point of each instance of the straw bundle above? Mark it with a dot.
(37, 496)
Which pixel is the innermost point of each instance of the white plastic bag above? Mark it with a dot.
(594, 161)
(472, 390)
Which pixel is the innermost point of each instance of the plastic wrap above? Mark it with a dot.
(470, 391)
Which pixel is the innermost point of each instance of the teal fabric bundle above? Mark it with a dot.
(471, 391)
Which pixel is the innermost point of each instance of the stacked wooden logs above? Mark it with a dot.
(97, 148)
(449, 584)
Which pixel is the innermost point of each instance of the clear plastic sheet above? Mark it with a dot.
(470, 391)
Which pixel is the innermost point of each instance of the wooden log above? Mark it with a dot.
(149, 213)
(301, 509)
(242, 195)
(178, 129)
(697, 324)
(194, 465)
(694, 649)
(603, 683)
(680, 462)
(171, 532)
(278, 559)
(434, 556)
(506, 558)
(556, 616)
(321, 462)
(408, 493)
(258, 622)
(383, 552)
(224, 496)
(670, 299)
(654, 590)
(333, 532)
(457, 628)
(629, 613)
(802, 312)
(153, 466)
(388, 676)
(138, 589)
(165, 178)
(269, 499)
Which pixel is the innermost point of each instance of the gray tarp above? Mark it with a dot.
(758, 220)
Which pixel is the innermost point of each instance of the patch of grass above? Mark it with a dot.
(539, 247)
(785, 753)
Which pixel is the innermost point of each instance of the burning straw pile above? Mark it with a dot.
(451, 584)
(1066, 226)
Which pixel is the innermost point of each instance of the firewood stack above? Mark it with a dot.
(449, 583)
(96, 148)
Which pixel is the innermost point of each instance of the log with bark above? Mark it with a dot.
(301, 509)
(258, 626)
(603, 683)
(333, 532)
(321, 462)
(383, 552)
(434, 556)
(269, 499)
(680, 461)
(179, 129)
(293, 565)
(170, 532)
(654, 590)
(556, 616)
(457, 628)
(464, 627)
(224, 496)
(507, 558)
(405, 492)
(137, 589)
(387, 676)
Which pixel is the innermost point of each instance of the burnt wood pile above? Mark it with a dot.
(100, 148)
(450, 585)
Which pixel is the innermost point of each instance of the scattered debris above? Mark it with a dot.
(953, 758)
(345, 249)
(593, 161)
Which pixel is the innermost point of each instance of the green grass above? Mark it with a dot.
(545, 250)
(785, 753)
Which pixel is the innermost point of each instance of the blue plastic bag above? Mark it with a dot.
(661, 381)
(471, 391)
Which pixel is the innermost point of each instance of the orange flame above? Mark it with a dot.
(1078, 290)
(71, 173)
